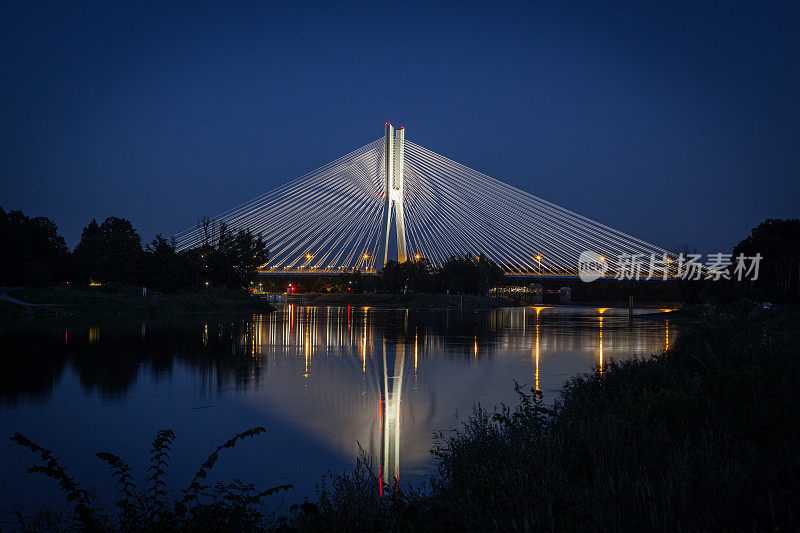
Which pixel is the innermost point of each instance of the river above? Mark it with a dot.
(321, 380)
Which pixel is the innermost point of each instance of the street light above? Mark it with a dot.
(539, 258)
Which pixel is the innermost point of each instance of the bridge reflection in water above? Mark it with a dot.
(321, 380)
(386, 379)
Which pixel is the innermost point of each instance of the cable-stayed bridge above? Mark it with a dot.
(393, 198)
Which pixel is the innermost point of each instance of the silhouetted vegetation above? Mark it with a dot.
(778, 242)
(228, 259)
(350, 282)
(409, 276)
(702, 437)
(167, 269)
(111, 252)
(459, 274)
(199, 507)
(33, 253)
(470, 274)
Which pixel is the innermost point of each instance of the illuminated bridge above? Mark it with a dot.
(393, 198)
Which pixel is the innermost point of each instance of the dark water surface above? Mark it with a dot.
(319, 379)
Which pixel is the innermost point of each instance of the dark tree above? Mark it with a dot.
(391, 280)
(111, 251)
(778, 242)
(88, 253)
(124, 248)
(229, 260)
(33, 253)
(351, 282)
(163, 268)
(469, 274)
(409, 276)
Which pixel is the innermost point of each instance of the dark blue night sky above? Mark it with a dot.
(678, 123)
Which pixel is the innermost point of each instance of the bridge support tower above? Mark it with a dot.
(393, 196)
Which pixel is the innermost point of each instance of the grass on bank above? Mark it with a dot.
(705, 436)
(120, 300)
(702, 437)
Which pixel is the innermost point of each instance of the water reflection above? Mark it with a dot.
(337, 376)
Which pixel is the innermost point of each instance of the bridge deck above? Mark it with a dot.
(337, 272)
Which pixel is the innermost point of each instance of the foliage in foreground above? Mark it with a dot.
(200, 507)
(704, 436)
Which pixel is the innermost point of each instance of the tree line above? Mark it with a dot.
(778, 242)
(112, 252)
(34, 253)
(467, 274)
(460, 274)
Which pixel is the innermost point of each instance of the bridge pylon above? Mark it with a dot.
(393, 196)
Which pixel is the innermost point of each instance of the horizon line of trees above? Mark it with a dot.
(778, 242)
(460, 274)
(112, 252)
(34, 253)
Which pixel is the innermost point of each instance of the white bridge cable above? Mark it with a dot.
(494, 228)
(319, 210)
(330, 212)
(330, 219)
(260, 203)
(301, 203)
(459, 240)
(492, 236)
(340, 212)
(532, 211)
(501, 204)
(300, 199)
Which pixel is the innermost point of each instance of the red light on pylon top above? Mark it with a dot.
(402, 127)
(387, 122)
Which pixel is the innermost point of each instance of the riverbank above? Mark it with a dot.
(704, 436)
(121, 301)
(701, 437)
(410, 301)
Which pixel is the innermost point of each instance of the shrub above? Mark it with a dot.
(232, 507)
